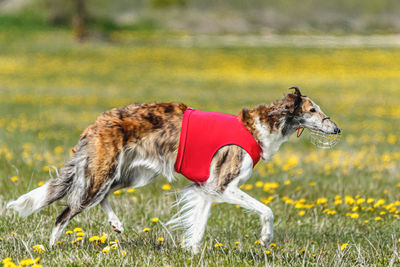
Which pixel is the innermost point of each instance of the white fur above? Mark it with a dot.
(270, 141)
(79, 186)
(30, 202)
(55, 234)
(197, 202)
(112, 217)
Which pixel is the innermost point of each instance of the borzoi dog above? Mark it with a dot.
(131, 146)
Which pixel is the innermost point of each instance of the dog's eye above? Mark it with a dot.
(312, 110)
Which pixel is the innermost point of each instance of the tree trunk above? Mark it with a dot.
(79, 21)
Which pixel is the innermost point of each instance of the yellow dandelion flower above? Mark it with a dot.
(360, 201)
(13, 233)
(117, 192)
(8, 259)
(378, 218)
(248, 187)
(343, 246)
(103, 238)
(77, 229)
(79, 238)
(38, 248)
(312, 184)
(349, 200)
(236, 243)
(287, 182)
(26, 262)
(302, 212)
(106, 250)
(303, 250)
(259, 184)
(272, 245)
(69, 232)
(94, 238)
(380, 202)
(14, 178)
(155, 219)
(59, 242)
(354, 215)
(257, 242)
(322, 200)
(160, 239)
(40, 183)
(58, 149)
(246, 236)
(267, 252)
(146, 230)
(338, 202)
(365, 221)
(166, 187)
(218, 245)
(80, 234)
(370, 200)
(130, 190)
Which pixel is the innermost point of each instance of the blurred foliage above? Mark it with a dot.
(335, 16)
(167, 3)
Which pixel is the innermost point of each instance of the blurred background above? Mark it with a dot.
(63, 62)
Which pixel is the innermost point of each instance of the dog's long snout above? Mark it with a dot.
(336, 129)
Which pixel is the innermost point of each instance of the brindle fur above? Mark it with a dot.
(228, 161)
(132, 145)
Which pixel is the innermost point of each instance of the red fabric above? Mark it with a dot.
(202, 134)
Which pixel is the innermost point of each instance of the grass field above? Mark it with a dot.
(332, 207)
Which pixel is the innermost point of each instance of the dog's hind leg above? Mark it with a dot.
(61, 222)
(112, 217)
(193, 216)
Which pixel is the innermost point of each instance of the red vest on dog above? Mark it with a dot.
(202, 134)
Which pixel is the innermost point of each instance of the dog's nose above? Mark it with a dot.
(337, 130)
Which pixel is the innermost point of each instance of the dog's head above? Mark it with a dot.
(302, 111)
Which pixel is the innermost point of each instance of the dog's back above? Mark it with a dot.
(126, 146)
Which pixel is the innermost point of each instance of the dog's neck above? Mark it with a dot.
(269, 126)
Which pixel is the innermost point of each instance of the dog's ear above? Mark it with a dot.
(297, 100)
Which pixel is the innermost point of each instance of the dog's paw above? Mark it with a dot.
(117, 226)
(195, 249)
(265, 240)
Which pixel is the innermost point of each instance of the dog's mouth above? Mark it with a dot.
(323, 139)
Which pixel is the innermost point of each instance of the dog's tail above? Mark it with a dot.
(53, 190)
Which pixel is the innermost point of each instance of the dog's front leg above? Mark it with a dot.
(234, 195)
(112, 217)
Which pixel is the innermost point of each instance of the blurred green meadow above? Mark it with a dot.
(332, 207)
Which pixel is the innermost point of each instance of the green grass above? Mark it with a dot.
(51, 88)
